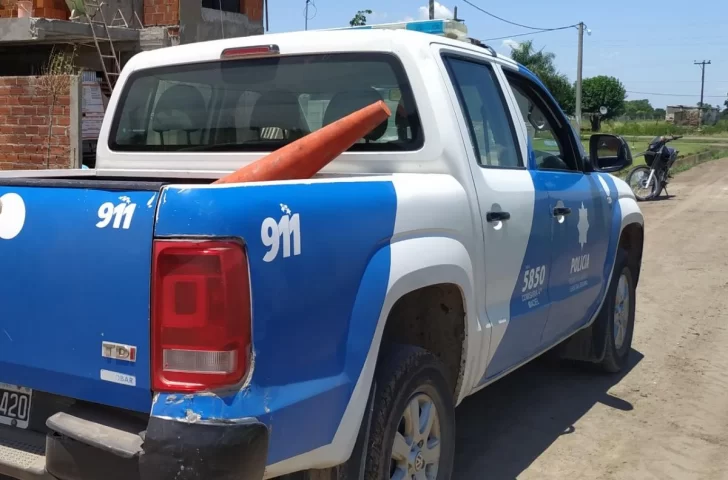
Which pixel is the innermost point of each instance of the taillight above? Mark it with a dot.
(256, 51)
(201, 320)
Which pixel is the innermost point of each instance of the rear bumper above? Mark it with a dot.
(84, 445)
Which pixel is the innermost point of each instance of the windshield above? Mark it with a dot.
(262, 104)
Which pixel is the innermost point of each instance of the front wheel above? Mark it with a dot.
(618, 314)
(412, 432)
(642, 186)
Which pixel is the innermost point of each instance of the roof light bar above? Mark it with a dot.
(446, 28)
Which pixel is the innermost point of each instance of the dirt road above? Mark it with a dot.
(666, 417)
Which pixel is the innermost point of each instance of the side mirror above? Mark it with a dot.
(609, 153)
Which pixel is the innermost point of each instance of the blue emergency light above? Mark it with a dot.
(445, 28)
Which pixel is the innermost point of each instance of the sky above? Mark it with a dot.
(650, 45)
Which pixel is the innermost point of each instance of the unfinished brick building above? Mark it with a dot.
(32, 31)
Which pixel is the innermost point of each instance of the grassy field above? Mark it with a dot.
(684, 147)
(654, 128)
(687, 147)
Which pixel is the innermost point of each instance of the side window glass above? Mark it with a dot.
(484, 108)
(545, 145)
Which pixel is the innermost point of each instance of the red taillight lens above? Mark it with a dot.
(200, 315)
(256, 51)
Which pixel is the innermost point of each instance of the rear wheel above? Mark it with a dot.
(412, 432)
(642, 186)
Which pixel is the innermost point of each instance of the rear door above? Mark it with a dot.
(578, 209)
(76, 259)
(517, 233)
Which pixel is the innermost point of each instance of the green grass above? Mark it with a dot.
(685, 148)
(655, 128)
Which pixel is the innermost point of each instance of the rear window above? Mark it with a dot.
(262, 104)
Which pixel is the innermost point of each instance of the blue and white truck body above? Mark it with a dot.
(157, 326)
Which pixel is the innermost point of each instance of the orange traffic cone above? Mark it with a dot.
(306, 156)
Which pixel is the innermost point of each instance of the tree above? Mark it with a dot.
(54, 83)
(360, 18)
(602, 91)
(638, 109)
(659, 114)
(563, 91)
(542, 65)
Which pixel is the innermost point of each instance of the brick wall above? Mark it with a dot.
(56, 9)
(25, 110)
(8, 8)
(51, 9)
(253, 9)
(161, 12)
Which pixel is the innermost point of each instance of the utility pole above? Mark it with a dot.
(432, 9)
(306, 14)
(579, 63)
(702, 90)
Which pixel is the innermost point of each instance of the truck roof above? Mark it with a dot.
(301, 42)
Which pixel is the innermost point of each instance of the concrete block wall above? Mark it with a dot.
(28, 139)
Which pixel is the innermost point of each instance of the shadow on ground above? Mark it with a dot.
(506, 426)
(662, 198)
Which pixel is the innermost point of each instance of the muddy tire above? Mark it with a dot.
(412, 429)
(618, 312)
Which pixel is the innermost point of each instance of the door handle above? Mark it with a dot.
(561, 211)
(497, 216)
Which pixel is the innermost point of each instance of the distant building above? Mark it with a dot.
(689, 115)
(44, 129)
(30, 28)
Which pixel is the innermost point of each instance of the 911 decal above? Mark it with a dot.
(288, 227)
(123, 211)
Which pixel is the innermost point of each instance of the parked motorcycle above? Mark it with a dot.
(648, 181)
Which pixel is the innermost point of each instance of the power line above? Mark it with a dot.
(507, 21)
(675, 94)
(672, 81)
(531, 33)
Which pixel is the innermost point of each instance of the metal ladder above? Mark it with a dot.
(112, 72)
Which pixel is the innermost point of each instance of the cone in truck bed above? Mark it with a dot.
(305, 157)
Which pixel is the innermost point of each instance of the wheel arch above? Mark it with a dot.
(632, 241)
(417, 264)
(631, 232)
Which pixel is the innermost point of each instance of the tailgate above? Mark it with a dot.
(76, 260)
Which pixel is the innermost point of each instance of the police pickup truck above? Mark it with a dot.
(157, 326)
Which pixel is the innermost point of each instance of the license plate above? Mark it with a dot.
(15, 405)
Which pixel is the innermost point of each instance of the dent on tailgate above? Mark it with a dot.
(75, 302)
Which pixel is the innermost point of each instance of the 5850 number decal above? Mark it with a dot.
(533, 278)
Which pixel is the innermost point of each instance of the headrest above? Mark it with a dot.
(278, 109)
(180, 107)
(345, 103)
